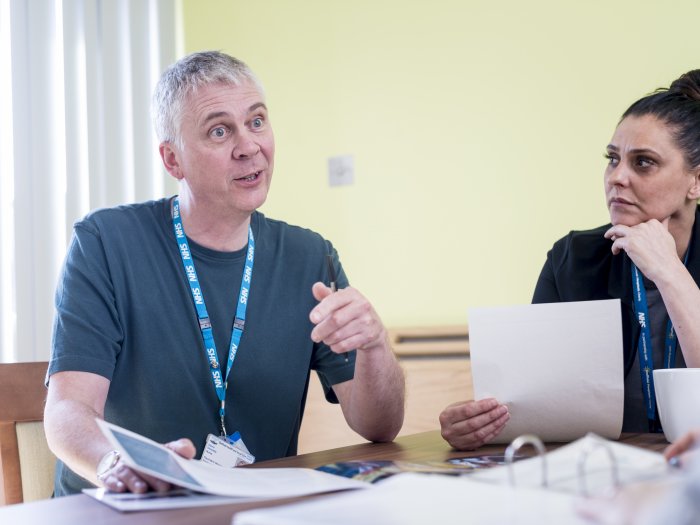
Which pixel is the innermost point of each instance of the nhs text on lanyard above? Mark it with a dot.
(646, 363)
(220, 383)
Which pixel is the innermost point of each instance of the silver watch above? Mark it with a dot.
(107, 463)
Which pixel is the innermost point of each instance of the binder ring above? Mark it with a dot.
(583, 457)
(517, 444)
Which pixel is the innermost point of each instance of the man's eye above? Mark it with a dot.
(218, 133)
(257, 122)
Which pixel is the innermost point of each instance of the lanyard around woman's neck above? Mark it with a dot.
(644, 346)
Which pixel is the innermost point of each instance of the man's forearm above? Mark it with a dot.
(74, 437)
(74, 401)
(375, 407)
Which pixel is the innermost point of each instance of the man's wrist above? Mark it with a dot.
(380, 343)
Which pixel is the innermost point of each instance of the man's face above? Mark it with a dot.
(227, 148)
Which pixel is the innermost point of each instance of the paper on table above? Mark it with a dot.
(149, 457)
(588, 454)
(558, 367)
(413, 499)
(173, 499)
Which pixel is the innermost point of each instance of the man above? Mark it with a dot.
(197, 315)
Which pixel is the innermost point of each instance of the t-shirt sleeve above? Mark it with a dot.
(332, 368)
(87, 334)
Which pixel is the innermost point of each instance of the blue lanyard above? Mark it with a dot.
(220, 384)
(646, 363)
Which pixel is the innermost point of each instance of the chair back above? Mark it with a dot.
(26, 463)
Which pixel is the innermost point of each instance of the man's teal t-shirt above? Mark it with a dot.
(124, 310)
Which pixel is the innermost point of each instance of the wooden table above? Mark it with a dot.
(427, 446)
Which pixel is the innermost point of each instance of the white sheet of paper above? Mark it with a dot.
(584, 467)
(174, 499)
(558, 367)
(149, 457)
(417, 499)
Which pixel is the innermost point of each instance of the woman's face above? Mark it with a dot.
(647, 176)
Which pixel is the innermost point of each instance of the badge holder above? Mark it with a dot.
(226, 451)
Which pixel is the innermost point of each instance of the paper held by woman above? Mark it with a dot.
(558, 367)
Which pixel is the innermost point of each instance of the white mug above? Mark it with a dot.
(678, 400)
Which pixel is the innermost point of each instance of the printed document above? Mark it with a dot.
(149, 457)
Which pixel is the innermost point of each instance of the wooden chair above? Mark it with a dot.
(26, 463)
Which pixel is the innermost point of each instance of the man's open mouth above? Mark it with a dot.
(251, 177)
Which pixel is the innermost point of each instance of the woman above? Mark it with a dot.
(649, 257)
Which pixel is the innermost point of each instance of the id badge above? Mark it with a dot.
(220, 451)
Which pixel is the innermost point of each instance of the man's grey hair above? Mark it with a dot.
(184, 78)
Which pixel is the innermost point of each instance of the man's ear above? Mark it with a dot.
(170, 160)
(694, 190)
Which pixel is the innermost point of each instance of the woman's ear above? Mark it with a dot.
(168, 154)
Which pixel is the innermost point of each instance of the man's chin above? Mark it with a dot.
(254, 204)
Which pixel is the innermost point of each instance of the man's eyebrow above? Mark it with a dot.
(215, 115)
(219, 114)
(256, 106)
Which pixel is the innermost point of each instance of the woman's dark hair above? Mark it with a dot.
(679, 107)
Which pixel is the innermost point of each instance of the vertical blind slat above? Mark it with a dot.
(82, 75)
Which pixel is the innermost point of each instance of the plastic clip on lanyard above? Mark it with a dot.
(646, 363)
(220, 383)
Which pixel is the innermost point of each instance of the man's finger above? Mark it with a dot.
(320, 291)
(184, 447)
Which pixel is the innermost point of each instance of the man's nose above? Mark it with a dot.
(246, 146)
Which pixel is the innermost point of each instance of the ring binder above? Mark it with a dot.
(583, 457)
(517, 444)
(591, 466)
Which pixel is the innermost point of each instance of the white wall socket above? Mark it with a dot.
(341, 170)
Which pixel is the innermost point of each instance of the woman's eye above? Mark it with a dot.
(612, 159)
(644, 162)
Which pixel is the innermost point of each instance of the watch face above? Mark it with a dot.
(108, 461)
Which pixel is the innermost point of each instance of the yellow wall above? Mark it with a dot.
(478, 128)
